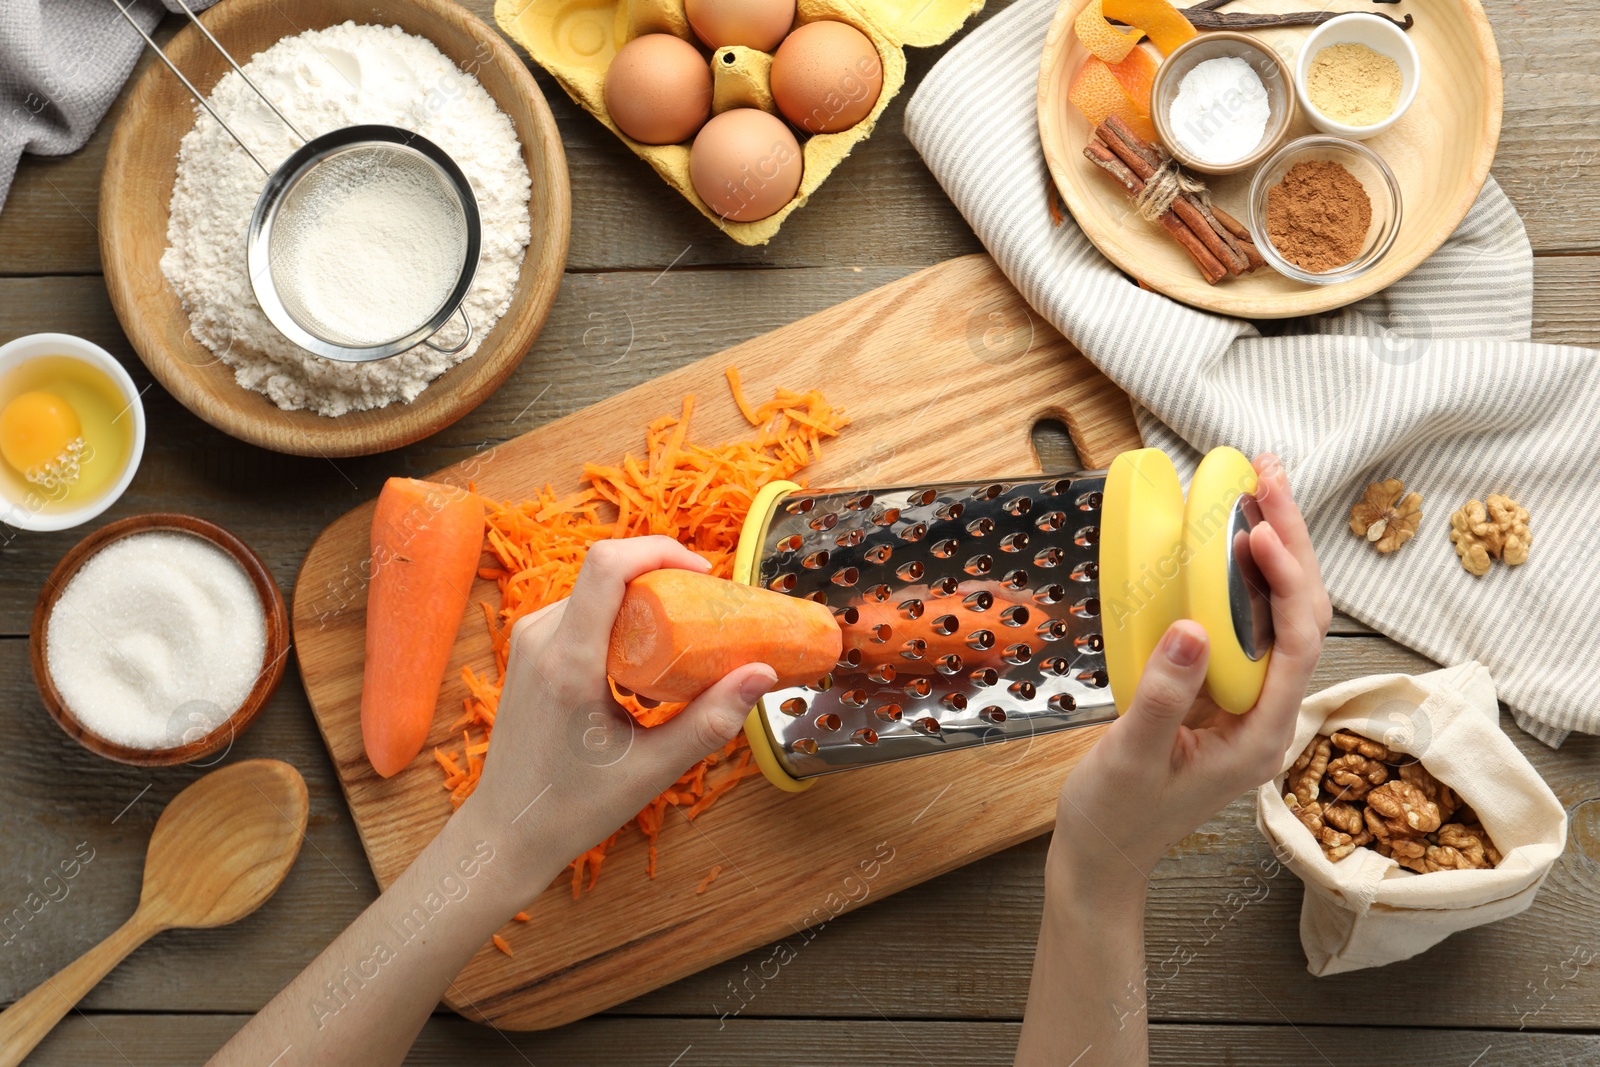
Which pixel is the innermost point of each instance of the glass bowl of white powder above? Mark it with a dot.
(158, 639)
(1222, 102)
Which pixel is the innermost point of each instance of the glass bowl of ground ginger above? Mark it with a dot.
(1324, 210)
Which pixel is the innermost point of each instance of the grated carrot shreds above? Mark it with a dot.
(697, 494)
(500, 943)
(711, 876)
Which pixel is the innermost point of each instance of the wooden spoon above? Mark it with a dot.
(219, 850)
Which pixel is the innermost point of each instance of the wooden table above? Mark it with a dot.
(649, 287)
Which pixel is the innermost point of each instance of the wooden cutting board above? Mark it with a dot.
(943, 374)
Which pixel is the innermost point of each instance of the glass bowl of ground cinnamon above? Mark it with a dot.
(1324, 209)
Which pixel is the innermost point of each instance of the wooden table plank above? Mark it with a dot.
(882, 207)
(135, 1040)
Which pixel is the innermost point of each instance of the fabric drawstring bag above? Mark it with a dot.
(1366, 910)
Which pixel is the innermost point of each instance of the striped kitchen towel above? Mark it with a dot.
(1432, 381)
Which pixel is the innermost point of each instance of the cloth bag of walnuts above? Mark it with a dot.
(1365, 909)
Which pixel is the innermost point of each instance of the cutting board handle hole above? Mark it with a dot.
(1053, 445)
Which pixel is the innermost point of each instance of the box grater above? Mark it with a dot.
(972, 612)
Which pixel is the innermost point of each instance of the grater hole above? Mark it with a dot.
(1051, 594)
(982, 640)
(878, 554)
(846, 576)
(823, 684)
(1051, 521)
(911, 609)
(979, 564)
(1015, 616)
(855, 698)
(1087, 608)
(927, 725)
(1049, 557)
(847, 616)
(990, 492)
(851, 658)
(909, 572)
(795, 706)
(1085, 572)
(801, 506)
(1063, 702)
(981, 527)
(885, 517)
(826, 521)
(950, 664)
(783, 583)
(1014, 542)
(951, 512)
(883, 674)
(859, 503)
(1099, 679)
(646, 702)
(880, 593)
(954, 701)
(850, 538)
(918, 687)
(1020, 652)
(944, 549)
(1091, 643)
(1057, 665)
(888, 712)
(914, 648)
(1089, 535)
(1022, 690)
(982, 600)
(790, 544)
(945, 587)
(805, 746)
(819, 595)
(829, 721)
(915, 532)
(1017, 579)
(817, 559)
(985, 676)
(1054, 629)
(1056, 487)
(993, 713)
(865, 736)
(1019, 506)
(922, 498)
(1089, 501)
(945, 625)
(882, 632)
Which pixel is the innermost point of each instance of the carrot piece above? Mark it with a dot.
(426, 539)
(523, 917)
(711, 876)
(679, 632)
(500, 943)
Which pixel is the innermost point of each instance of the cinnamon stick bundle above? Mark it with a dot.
(1216, 241)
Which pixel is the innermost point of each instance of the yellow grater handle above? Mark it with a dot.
(1141, 563)
(746, 566)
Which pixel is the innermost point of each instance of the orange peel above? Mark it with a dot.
(1161, 22)
(1103, 89)
(1102, 39)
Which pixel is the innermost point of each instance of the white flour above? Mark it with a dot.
(324, 80)
(1221, 110)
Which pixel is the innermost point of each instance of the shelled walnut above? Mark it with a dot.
(1387, 515)
(1485, 531)
(1369, 796)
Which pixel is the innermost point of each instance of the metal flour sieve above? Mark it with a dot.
(286, 212)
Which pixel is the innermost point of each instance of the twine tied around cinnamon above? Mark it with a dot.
(1169, 182)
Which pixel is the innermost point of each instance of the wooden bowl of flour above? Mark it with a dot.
(136, 192)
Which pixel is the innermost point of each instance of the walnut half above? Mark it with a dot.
(1387, 515)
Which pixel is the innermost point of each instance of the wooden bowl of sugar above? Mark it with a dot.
(136, 198)
(158, 639)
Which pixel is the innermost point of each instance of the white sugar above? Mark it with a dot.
(156, 640)
(1221, 110)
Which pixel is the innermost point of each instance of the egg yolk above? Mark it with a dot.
(38, 429)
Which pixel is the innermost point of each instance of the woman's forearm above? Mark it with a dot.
(1086, 1000)
(364, 999)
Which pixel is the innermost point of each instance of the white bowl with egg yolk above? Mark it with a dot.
(28, 509)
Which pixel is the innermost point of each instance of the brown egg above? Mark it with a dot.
(745, 164)
(826, 77)
(658, 89)
(757, 24)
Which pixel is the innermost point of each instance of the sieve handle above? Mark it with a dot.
(465, 341)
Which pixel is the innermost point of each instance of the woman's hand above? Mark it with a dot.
(568, 765)
(1175, 758)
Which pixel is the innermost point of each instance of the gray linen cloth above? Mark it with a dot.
(62, 63)
(1432, 381)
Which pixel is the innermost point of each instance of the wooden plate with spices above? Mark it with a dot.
(1439, 150)
(141, 167)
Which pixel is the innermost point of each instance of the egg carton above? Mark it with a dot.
(575, 41)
